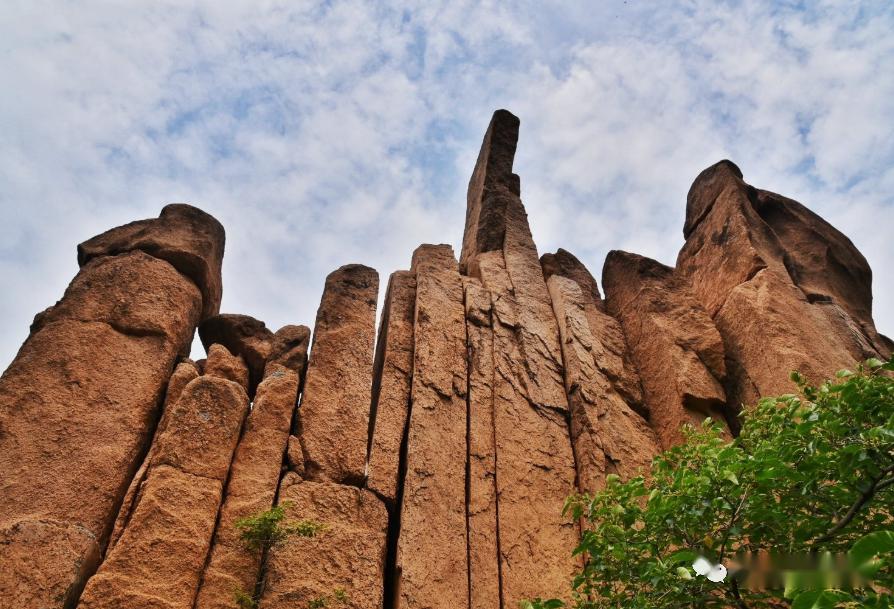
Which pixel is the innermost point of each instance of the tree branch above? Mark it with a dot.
(865, 497)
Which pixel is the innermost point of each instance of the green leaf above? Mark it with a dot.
(731, 477)
(684, 573)
(869, 546)
(819, 599)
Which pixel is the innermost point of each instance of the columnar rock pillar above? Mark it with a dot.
(535, 468)
(432, 549)
(253, 481)
(786, 290)
(159, 558)
(334, 415)
(673, 341)
(80, 401)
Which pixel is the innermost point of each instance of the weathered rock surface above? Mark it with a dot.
(484, 556)
(159, 558)
(673, 341)
(295, 456)
(345, 560)
(77, 409)
(609, 437)
(612, 357)
(786, 290)
(191, 240)
(289, 349)
(535, 464)
(391, 385)
(223, 364)
(432, 548)
(334, 415)
(254, 477)
(244, 336)
(183, 374)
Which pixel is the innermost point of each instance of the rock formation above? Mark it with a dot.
(426, 470)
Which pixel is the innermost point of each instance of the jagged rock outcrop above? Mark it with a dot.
(534, 465)
(159, 558)
(391, 385)
(80, 401)
(673, 341)
(433, 465)
(243, 336)
(251, 489)
(334, 415)
(786, 289)
(432, 550)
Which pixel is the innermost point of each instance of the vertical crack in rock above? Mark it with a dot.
(244, 336)
(391, 386)
(535, 469)
(254, 477)
(162, 551)
(79, 403)
(481, 490)
(676, 347)
(432, 547)
(334, 414)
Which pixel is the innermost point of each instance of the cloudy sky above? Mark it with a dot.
(326, 133)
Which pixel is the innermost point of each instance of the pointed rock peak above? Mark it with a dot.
(565, 264)
(705, 190)
(428, 258)
(491, 186)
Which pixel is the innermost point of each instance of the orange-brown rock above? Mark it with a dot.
(612, 357)
(391, 385)
(223, 364)
(159, 558)
(191, 240)
(333, 419)
(77, 409)
(432, 549)
(244, 336)
(295, 456)
(535, 464)
(254, 477)
(786, 290)
(609, 437)
(184, 373)
(289, 349)
(343, 565)
(484, 557)
(673, 341)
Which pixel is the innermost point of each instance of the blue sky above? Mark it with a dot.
(336, 132)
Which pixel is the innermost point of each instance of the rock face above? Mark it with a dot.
(391, 388)
(433, 466)
(159, 558)
(334, 413)
(343, 565)
(432, 549)
(80, 401)
(534, 463)
(786, 290)
(674, 343)
(254, 477)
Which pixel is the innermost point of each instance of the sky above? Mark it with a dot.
(325, 133)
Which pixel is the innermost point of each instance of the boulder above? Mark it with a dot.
(243, 336)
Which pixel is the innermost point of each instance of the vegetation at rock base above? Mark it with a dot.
(810, 477)
(266, 529)
(244, 600)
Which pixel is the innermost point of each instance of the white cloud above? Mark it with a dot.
(322, 134)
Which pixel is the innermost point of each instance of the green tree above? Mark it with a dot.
(811, 474)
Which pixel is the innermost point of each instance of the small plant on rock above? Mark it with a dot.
(262, 531)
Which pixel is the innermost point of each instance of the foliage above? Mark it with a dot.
(266, 529)
(244, 600)
(811, 474)
(338, 595)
